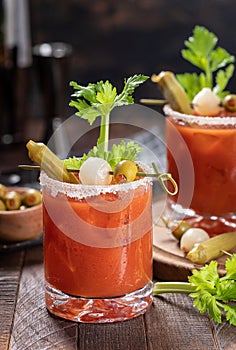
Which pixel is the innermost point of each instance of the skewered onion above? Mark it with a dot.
(95, 171)
(206, 102)
(191, 237)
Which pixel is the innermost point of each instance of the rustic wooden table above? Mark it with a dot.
(170, 323)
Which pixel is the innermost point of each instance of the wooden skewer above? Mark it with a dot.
(29, 167)
(161, 177)
(149, 101)
(37, 167)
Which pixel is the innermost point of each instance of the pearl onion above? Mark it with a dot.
(206, 102)
(191, 237)
(95, 171)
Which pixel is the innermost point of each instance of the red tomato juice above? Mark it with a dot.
(213, 153)
(109, 252)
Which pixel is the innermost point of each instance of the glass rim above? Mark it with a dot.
(200, 120)
(80, 191)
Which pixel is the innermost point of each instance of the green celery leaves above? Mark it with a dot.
(98, 100)
(215, 63)
(213, 293)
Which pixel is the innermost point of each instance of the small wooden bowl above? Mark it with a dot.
(21, 225)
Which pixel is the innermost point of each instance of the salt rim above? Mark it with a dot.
(199, 119)
(80, 191)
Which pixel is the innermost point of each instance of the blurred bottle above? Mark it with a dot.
(16, 58)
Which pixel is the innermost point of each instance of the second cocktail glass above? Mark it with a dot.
(201, 156)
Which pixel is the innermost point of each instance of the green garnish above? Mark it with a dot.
(118, 153)
(98, 100)
(202, 52)
(210, 292)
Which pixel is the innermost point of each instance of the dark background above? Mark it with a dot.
(110, 40)
(115, 39)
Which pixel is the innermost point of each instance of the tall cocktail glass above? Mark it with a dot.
(97, 249)
(201, 156)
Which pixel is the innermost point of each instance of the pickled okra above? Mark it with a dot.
(49, 162)
(173, 92)
(212, 248)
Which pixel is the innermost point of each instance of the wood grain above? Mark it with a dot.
(33, 327)
(122, 335)
(225, 335)
(173, 323)
(10, 269)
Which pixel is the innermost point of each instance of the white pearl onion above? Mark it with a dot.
(95, 171)
(191, 237)
(206, 102)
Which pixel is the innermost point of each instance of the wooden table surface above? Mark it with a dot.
(171, 323)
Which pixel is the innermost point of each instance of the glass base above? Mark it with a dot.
(91, 310)
(214, 225)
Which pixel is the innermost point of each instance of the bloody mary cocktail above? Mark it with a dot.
(211, 144)
(97, 215)
(97, 249)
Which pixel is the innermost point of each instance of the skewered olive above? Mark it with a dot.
(177, 227)
(31, 197)
(230, 102)
(2, 205)
(12, 200)
(3, 191)
(126, 169)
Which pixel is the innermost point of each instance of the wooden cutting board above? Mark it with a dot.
(170, 263)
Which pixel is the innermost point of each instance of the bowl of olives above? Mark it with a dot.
(20, 213)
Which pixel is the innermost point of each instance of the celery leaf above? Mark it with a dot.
(215, 63)
(230, 314)
(211, 293)
(205, 301)
(98, 100)
(122, 151)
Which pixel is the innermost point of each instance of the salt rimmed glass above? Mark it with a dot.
(201, 156)
(97, 249)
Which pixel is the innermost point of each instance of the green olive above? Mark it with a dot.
(178, 227)
(12, 200)
(2, 205)
(31, 197)
(125, 169)
(229, 102)
(3, 191)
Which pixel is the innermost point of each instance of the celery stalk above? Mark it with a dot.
(104, 132)
(173, 287)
